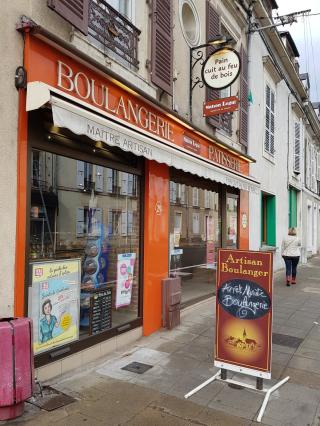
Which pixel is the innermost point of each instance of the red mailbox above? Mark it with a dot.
(16, 363)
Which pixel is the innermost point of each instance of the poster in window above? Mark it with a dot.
(244, 312)
(55, 303)
(125, 270)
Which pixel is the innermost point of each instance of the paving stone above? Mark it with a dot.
(302, 363)
(248, 402)
(289, 413)
(302, 377)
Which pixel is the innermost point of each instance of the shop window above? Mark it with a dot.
(268, 219)
(293, 195)
(195, 236)
(84, 249)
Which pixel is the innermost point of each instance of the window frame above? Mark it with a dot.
(77, 150)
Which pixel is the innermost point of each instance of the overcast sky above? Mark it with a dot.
(306, 35)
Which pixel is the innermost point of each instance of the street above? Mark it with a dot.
(182, 358)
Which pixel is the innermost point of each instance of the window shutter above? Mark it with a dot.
(74, 11)
(313, 169)
(80, 222)
(212, 30)
(195, 197)
(124, 183)
(244, 98)
(130, 184)
(195, 223)
(272, 123)
(124, 222)
(206, 199)
(110, 230)
(99, 179)
(80, 174)
(162, 45)
(318, 166)
(296, 154)
(183, 194)
(109, 180)
(130, 222)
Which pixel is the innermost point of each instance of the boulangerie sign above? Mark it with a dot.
(244, 311)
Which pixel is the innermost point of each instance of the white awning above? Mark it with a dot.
(83, 122)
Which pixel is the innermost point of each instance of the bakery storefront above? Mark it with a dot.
(119, 194)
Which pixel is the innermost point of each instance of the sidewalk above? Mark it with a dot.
(182, 358)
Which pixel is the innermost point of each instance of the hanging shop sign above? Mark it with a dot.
(125, 268)
(55, 303)
(221, 68)
(244, 312)
(220, 106)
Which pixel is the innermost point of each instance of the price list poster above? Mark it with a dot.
(244, 312)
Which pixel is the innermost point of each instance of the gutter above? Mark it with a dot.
(28, 25)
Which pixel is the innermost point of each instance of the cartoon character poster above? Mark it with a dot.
(244, 312)
(55, 303)
(125, 269)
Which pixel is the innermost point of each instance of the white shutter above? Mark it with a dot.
(124, 183)
(195, 223)
(109, 180)
(130, 222)
(318, 166)
(124, 222)
(270, 121)
(99, 179)
(110, 230)
(195, 197)
(313, 169)
(267, 123)
(307, 165)
(173, 192)
(183, 194)
(130, 184)
(80, 174)
(206, 199)
(80, 222)
(297, 147)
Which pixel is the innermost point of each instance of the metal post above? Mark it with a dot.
(223, 374)
(259, 384)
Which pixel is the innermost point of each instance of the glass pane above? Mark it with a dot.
(232, 221)
(195, 235)
(83, 211)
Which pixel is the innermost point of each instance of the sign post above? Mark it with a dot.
(243, 340)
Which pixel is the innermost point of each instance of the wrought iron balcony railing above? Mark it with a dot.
(113, 32)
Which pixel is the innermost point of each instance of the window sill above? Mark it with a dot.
(269, 157)
(268, 248)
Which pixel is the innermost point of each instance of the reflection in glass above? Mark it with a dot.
(83, 210)
(195, 235)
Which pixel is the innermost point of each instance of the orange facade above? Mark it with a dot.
(43, 63)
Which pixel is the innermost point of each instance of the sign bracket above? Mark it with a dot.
(221, 376)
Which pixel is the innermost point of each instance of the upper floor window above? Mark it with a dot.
(125, 7)
(297, 147)
(269, 120)
(190, 22)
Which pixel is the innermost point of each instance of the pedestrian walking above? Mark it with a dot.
(290, 251)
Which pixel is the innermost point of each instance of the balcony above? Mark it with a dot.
(113, 33)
